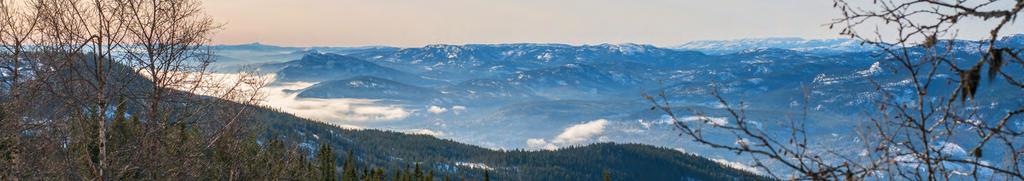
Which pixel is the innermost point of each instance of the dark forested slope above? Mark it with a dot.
(395, 151)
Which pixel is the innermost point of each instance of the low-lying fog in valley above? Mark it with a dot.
(434, 120)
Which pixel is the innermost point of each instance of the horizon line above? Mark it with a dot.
(523, 42)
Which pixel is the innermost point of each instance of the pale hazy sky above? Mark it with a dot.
(419, 22)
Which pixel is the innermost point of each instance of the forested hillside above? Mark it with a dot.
(394, 151)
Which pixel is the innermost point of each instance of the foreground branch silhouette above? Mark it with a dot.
(908, 135)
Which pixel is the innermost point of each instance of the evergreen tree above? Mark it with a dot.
(328, 164)
(378, 174)
(366, 175)
(407, 173)
(350, 168)
(398, 175)
(417, 174)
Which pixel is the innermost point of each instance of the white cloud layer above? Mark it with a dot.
(573, 135)
(424, 132)
(330, 110)
(581, 132)
(737, 165)
(437, 110)
(459, 109)
(714, 121)
(540, 143)
(339, 112)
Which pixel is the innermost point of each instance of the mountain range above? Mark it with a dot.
(534, 96)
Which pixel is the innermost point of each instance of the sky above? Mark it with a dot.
(413, 23)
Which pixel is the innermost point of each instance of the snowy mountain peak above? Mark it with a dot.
(626, 48)
(1014, 37)
(820, 46)
(1015, 40)
(767, 51)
